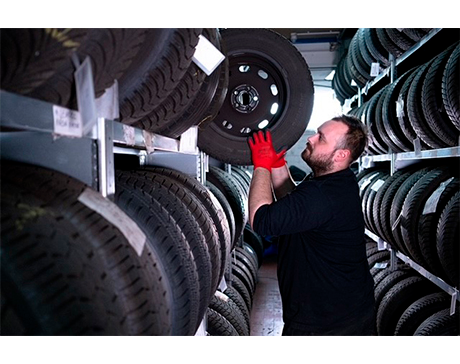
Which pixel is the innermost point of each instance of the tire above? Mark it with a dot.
(376, 139)
(427, 229)
(413, 208)
(398, 299)
(243, 260)
(377, 258)
(218, 325)
(450, 88)
(375, 46)
(251, 238)
(415, 110)
(66, 270)
(432, 103)
(233, 295)
(440, 323)
(280, 64)
(29, 57)
(387, 42)
(110, 52)
(234, 195)
(447, 238)
(400, 38)
(144, 202)
(155, 72)
(215, 225)
(398, 203)
(389, 114)
(227, 308)
(244, 275)
(419, 311)
(241, 288)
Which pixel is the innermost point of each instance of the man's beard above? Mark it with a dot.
(320, 164)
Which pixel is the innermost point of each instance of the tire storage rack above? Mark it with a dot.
(115, 230)
(409, 175)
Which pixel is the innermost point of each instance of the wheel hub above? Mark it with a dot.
(244, 98)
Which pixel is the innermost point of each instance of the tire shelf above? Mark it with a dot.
(31, 138)
(401, 160)
(383, 245)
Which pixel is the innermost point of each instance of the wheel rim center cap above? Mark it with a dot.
(245, 98)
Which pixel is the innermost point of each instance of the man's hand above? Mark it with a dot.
(263, 152)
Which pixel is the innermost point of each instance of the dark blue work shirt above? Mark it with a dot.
(323, 273)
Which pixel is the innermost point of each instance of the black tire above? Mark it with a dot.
(239, 286)
(66, 270)
(375, 46)
(278, 61)
(370, 206)
(250, 250)
(236, 297)
(154, 73)
(398, 203)
(432, 104)
(389, 281)
(244, 274)
(450, 88)
(427, 230)
(187, 103)
(218, 325)
(227, 184)
(227, 210)
(242, 259)
(253, 239)
(110, 52)
(415, 110)
(387, 42)
(419, 311)
(447, 238)
(223, 305)
(413, 208)
(441, 323)
(376, 139)
(389, 114)
(400, 38)
(139, 201)
(215, 225)
(378, 257)
(29, 57)
(398, 299)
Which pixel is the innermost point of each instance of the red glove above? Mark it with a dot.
(263, 152)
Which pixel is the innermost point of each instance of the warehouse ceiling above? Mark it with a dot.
(322, 48)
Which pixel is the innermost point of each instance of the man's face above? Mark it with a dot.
(321, 147)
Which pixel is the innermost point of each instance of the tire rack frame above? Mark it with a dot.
(401, 160)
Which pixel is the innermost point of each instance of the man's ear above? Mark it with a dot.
(342, 155)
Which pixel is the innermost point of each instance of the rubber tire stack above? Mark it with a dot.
(59, 234)
(161, 89)
(413, 211)
(415, 106)
(370, 45)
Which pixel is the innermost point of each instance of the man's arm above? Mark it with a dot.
(282, 181)
(260, 192)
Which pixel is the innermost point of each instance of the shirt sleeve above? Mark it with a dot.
(305, 208)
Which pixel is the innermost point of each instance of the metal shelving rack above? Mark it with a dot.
(401, 160)
(89, 158)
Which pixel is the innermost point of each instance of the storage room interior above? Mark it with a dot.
(126, 175)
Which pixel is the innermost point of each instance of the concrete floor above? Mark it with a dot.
(266, 314)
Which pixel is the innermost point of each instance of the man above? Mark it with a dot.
(324, 279)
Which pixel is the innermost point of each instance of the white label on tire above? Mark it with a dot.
(67, 122)
(221, 296)
(376, 186)
(110, 211)
(432, 202)
(206, 55)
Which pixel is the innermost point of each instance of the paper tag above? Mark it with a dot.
(222, 284)
(375, 69)
(381, 265)
(188, 141)
(67, 122)
(221, 296)
(110, 211)
(85, 95)
(129, 134)
(353, 83)
(207, 56)
(400, 108)
(366, 182)
(432, 202)
(376, 186)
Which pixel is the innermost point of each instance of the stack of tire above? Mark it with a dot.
(161, 88)
(149, 263)
(422, 104)
(371, 45)
(416, 211)
(408, 304)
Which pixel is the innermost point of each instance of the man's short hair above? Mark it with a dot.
(356, 138)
